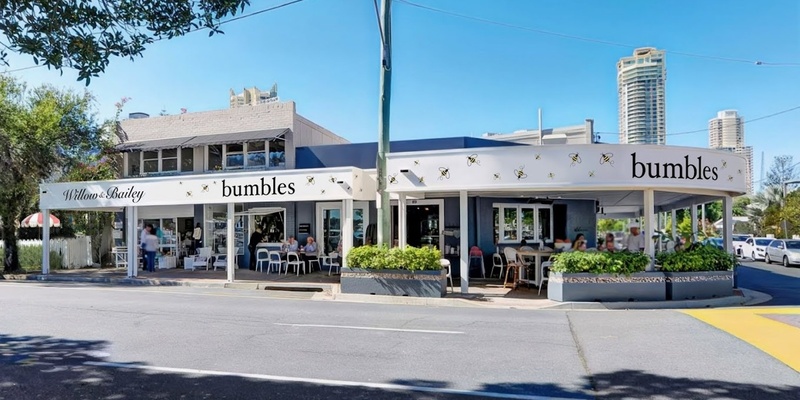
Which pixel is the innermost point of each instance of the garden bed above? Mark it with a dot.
(640, 286)
(394, 282)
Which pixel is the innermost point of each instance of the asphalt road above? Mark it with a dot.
(91, 342)
(783, 284)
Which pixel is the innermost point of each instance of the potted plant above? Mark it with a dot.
(379, 270)
(602, 276)
(700, 272)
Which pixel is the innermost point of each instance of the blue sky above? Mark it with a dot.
(458, 77)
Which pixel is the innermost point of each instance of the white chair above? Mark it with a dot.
(446, 264)
(262, 256)
(542, 276)
(330, 260)
(292, 259)
(222, 259)
(512, 265)
(497, 262)
(201, 259)
(475, 253)
(314, 260)
(275, 259)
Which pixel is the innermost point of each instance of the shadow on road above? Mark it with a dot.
(784, 289)
(41, 367)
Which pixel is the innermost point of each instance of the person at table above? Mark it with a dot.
(255, 239)
(579, 245)
(578, 238)
(609, 244)
(310, 251)
(292, 245)
(635, 241)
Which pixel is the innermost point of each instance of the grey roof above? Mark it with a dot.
(197, 141)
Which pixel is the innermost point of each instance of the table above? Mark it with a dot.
(537, 263)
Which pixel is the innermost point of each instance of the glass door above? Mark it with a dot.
(424, 223)
(329, 224)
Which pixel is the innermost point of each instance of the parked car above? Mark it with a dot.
(755, 247)
(713, 241)
(785, 251)
(738, 241)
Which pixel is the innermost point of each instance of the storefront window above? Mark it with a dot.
(530, 222)
(256, 154)
(169, 160)
(545, 224)
(510, 233)
(150, 161)
(215, 157)
(234, 156)
(273, 226)
(187, 160)
(277, 153)
(134, 163)
(528, 233)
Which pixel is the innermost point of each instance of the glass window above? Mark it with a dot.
(496, 219)
(532, 223)
(187, 160)
(150, 161)
(134, 163)
(215, 157)
(169, 160)
(273, 226)
(358, 227)
(277, 153)
(528, 233)
(510, 225)
(234, 156)
(792, 244)
(545, 224)
(256, 154)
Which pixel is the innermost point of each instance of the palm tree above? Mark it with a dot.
(767, 197)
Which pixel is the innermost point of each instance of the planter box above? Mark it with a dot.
(394, 282)
(699, 285)
(642, 286)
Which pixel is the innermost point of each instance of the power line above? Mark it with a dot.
(706, 129)
(593, 40)
(243, 16)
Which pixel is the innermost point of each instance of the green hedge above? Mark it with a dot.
(595, 262)
(700, 258)
(410, 258)
(30, 258)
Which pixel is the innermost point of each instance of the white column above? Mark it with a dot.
(464, 244)
(45, 241)
(135, 239)
(674, 221)
(703, 217)
(130, 239)
(649, 225)
(727, 222)
(694, 222)
(658, 227)
(402, 225)
(230, 242)
(347, 229)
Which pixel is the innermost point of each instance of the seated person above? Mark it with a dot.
(609, 244)
(310, 251)
(292, 245)
(579, 245)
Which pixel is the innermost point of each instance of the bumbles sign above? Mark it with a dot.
(265, 188)
(687, 169)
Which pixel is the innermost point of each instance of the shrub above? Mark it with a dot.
(30, 258)
(701, 258)
(620, 263)
(381, 257)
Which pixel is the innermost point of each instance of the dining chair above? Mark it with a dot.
(292, 259)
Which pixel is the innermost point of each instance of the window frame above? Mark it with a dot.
(499, 229)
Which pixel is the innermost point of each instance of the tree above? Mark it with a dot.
(762, 204)
(783, 169)
(607, 225)
(42, 131)
(85, 34)
(740, 205)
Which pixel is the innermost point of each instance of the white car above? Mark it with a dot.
(755, 248)
(738, 242)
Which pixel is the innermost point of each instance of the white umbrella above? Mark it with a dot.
(37, 221)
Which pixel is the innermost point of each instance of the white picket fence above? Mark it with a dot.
(75, 252)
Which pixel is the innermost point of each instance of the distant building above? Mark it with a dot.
(641, 82)
(253, 96)
(576, 134)
(726, 132)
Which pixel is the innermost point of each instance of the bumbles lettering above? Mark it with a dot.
(114, 192)
(265, 189)
(685, 170)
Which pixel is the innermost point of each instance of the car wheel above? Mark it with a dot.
(766, 259)
(785, 262)
(753, 256)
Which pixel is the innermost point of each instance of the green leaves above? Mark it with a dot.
(621, 263)
(701, 258)
(410, 258)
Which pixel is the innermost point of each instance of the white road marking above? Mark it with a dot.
(369, 328)
(326, 382)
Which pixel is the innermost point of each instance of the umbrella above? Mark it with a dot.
(37, 221)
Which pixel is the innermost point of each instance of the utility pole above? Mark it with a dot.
(384, 209)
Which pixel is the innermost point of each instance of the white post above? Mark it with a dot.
(649, 225)
(464, 244)
(230, 242)
(727, 224)
(402, 221)
(45, 241)
(135, 224)
(347, 229)
(131, 240)
(694, 222)
(658, 227)
(674, 221)
(703, 217)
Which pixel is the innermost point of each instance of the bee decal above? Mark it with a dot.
(497, 177)
(205, 188)
(730, 178)
(180, 183)
(538, 156)
(551, 175)
(520, 173)
(444, 172)
(332, 179)
(740, 172)
(393, 179)
(724, 164)
(322, 191)
(309, 180)
(575, 158)
(421, 179)
(416, 162)
(591, 174)
(215, 182)
(189, 194)
(607, 158)
(473, 159)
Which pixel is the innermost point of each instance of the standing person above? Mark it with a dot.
(255, 239)
(635, 241)
(197, 235)
(150, 247)
(142, 237)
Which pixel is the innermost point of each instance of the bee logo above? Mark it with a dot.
(444, 172)
(416, 162)
(421, 179)
(309, 180)
(473, 159)
(538, 156)
(591, 174)
(520, 173)
(215, 182)
(180, 183)
(724, 164)
(332, 179)
(322, 191)
(393, 179)
(205, 188)
(607, 158)
(575, 158)
(497, 177)
(551, 175)
(730, 178)
(740, 172)
(189, 194)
